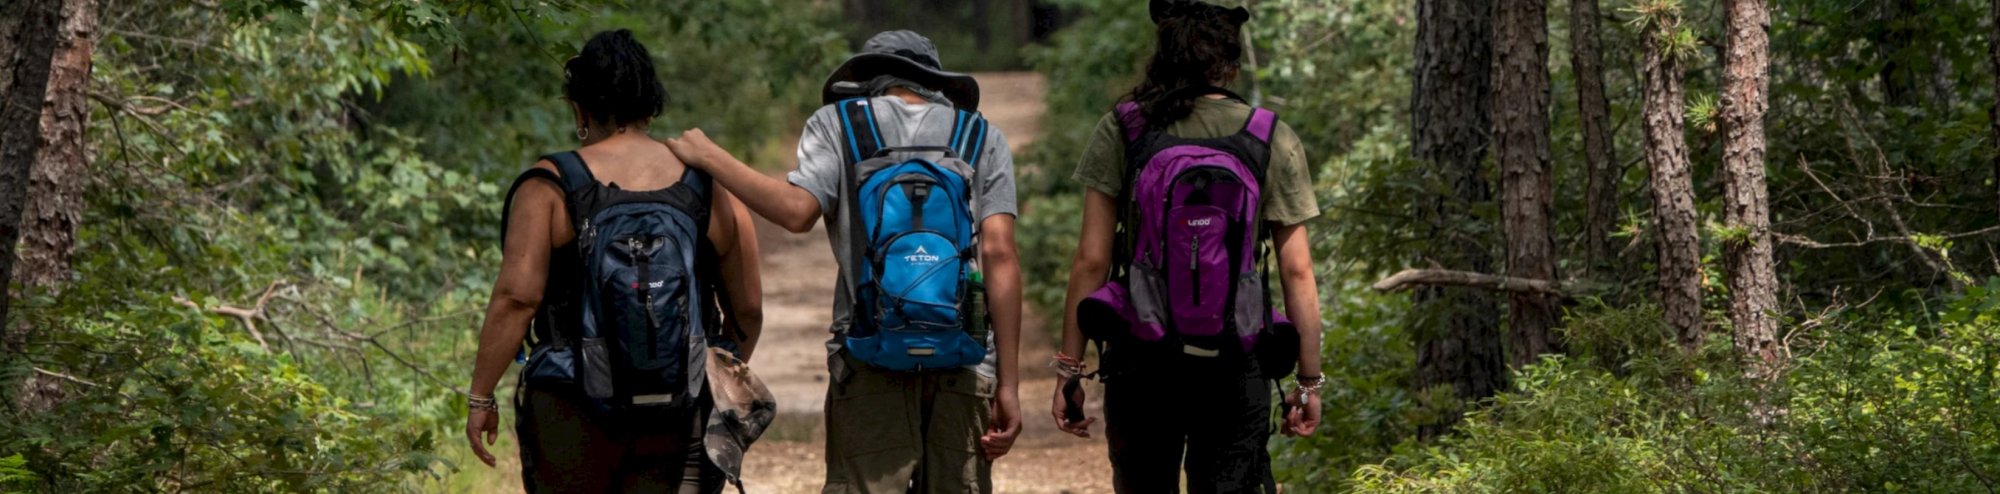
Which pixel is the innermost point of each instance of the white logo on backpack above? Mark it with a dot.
(656, 284)
(920, 256)
(1200, 222)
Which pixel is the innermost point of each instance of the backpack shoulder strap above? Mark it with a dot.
(857, 124)
(1132, 119)
(575, 175)
(968, 137)
(1262, 123)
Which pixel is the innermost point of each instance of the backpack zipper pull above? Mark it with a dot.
(1194, 266)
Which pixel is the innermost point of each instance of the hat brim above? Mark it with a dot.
(961, 89)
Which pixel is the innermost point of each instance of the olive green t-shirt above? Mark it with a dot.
(1287, 188)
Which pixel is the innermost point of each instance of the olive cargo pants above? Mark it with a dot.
(897, 432)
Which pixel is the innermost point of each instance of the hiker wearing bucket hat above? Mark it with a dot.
(917, 195)
(1190, 189)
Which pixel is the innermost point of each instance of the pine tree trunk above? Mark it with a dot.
(1594, 112)
(1753, 280)
(1673, 189)
(1521, 146)
(48, 228)
(1993, 53)
(27, 46)
(1458, 344)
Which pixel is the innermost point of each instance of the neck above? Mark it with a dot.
(907, 96)
(605, 132)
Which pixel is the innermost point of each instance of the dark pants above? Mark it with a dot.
(567, 447)
(1213, 411)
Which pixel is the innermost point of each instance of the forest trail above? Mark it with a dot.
(791, 356)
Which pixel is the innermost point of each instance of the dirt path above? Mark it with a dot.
(791, 358)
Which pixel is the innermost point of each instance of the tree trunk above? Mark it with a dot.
(1993, 53)
(27, 46)
(1673, 186)
(1458, 345)
(1521, 146)
(1753, 281)
(48, 228)
(1594, 111)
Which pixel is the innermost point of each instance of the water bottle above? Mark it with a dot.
(975, 319)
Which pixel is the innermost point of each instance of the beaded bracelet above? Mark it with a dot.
(1066, 366)
(487, 403)
(1309, 384)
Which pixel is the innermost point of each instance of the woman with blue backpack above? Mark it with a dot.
(637, 279)
(1190, 192)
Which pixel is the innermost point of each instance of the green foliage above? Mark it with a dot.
(331, 173)
(1911, 409)
(12, 472)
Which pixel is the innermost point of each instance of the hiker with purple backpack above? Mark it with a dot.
(1190, 191)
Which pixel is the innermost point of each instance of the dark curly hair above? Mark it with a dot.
(613, 79)
(1193, 49)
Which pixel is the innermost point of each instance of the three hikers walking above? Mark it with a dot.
(635, 263)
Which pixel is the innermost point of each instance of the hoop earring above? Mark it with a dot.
(582, 133)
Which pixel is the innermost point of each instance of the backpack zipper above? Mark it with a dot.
(645, 289)
(1194, 266)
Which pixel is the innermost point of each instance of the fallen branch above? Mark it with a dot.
(1412, 278)
(248, 316)
(65, 377)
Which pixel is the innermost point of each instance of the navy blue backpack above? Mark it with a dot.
(631, 328)
(914, 247)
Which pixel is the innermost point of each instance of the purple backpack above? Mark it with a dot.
(1190, 238)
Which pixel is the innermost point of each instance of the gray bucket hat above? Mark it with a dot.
(908, 55)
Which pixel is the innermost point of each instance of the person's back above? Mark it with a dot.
(625, 264)
(920, 399)
(1188, 188)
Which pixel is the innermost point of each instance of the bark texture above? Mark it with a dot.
(1753, 280)
(27, 46)
(55, 207)
(1459, 346)
(1993, 54)
(1527, 188)
(1594, 114)
(1673, 189)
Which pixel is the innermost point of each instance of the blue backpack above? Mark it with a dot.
(630, 328)
(913, 247)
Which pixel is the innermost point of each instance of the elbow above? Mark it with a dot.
(516, 300)
(750, 316)
(800, 214)
(1090, 266)
(799, 223)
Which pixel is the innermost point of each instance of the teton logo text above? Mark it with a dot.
(920, 256)
(1200, 222)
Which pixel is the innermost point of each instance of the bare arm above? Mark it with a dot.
(1001, 265)
(781, 202)
(1092, 262)
(524, 273)
(743, 278)
(1295, 268)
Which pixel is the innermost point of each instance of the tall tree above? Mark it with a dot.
(48, 227)
(1594, 112)
(1753, 281)
(27, 46)
(1667, 157)
(1993, 53)
(1449, 115)
(1527, 188)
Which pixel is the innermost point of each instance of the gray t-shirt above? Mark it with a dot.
(821, 156)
